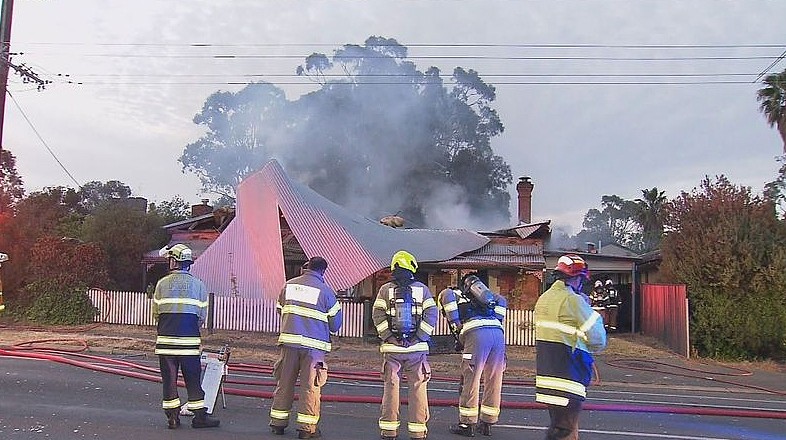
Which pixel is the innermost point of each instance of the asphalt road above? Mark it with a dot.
(46, 400)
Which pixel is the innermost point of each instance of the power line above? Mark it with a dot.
(765, 71)
(434, 57)
(42, 140)
(423, 45)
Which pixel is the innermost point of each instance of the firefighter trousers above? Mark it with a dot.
(483, 358)
(308, 364)
(418, 372)
(192, 375)
(564, 421)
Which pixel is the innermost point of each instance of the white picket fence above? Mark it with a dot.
(259, 315)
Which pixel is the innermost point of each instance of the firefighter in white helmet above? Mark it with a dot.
(404, 314)
(3, 259)
(180, 306)
(475, 315)
(567, 332)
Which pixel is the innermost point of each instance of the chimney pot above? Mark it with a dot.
(202, 209)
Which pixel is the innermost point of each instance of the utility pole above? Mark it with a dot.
(5, 58)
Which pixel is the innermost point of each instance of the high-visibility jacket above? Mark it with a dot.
(384, 309)
(461, 312)
(567, 332)
(180, 306)
(309, 311)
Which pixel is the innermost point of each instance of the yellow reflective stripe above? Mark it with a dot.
(334, 310)
(381, 304)
(475, 323)
(416, 427)
(393, 348)
(280, 415)
(288, 338)
(468, 411)
(196, 404)
(450, 307)
(307, 419)
(169, 404)
(389, 426)
(590, 321)
(489, 410)
(2, 306)
(189, 301)
(304, 311)
(177, 352)
(560, 384)
(564, 328)
(429, 302)
(551, 400)
(426, 327)
(501, 311)
(382, 326)
(177, 340)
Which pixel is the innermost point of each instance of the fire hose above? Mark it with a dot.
(125, 368)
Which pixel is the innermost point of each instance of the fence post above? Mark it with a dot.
(211, 308)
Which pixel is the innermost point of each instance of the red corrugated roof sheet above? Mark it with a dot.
(247, 258)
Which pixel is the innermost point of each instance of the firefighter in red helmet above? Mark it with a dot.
(567, 333)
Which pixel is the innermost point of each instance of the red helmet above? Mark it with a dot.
(573, 265)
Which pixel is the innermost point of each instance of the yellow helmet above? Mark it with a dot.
(179, 252)
(404, 260)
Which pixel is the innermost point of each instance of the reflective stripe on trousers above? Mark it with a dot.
(418, 372)
(484, 356)
(309, 365)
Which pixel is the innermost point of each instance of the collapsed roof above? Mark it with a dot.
(247, 258)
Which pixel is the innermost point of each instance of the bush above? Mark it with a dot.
(59, 305)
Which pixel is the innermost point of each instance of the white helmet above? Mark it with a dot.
(598, 283)
(608, 282)
(178, 252)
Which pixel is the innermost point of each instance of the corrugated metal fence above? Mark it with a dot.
(664, 315)
(259, 315)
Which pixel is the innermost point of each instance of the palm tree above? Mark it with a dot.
(773, 102)
(649, 214)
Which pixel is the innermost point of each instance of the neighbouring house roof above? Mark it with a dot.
(525, 230)
(247, 258)
(498, 255)
(197, 241)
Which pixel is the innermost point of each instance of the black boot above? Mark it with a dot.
(465, 429)
(202, 420)
(484, 428)
(172, 418)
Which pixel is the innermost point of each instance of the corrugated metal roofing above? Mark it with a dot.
(499, 255)
(354, 246)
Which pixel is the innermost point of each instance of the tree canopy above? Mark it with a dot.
(378, 136)
(772, 102)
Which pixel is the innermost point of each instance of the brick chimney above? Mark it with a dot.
(204, 208)
(524, 188)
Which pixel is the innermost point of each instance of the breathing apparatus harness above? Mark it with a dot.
(405, 306)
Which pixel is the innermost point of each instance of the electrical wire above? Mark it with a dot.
(30, 123)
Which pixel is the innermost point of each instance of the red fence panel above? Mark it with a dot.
(664, 315)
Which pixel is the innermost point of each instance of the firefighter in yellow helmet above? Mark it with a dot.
(180, 306)
(404, 314)
(567, 332)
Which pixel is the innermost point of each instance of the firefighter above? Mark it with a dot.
(475, 316)
(613, 304)
(3, 258)
(599, 299)
(567, 333)
(404, 314)
(310, 313)
(180, 307)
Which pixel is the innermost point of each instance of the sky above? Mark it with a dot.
(597, 97)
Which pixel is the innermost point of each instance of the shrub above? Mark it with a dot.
(59, 305)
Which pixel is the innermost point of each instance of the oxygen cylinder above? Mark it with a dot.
(475, 289)
(402, 320)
